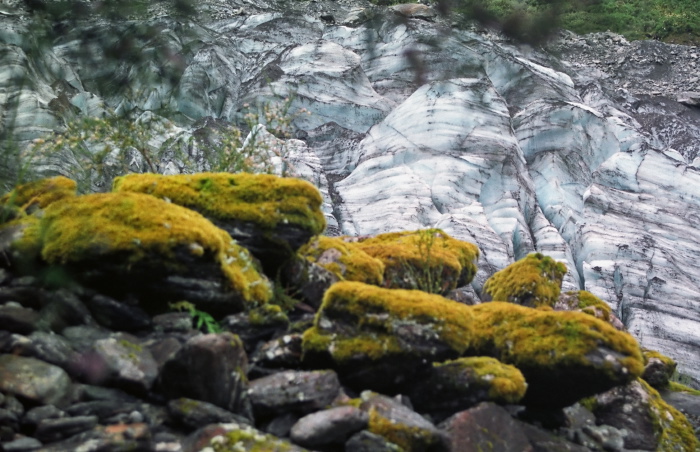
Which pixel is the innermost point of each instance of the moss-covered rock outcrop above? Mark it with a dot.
(131, 242)
(428, 260)
(586, 302)
(37, 194)
(271, 216)
(533, 281)
(364, 330)
(344, 258)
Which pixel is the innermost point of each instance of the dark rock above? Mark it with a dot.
(48, 347)
(63, 310)
(219, 357)
(9, 419)
(128, 364)
(194, 414)
(486, 427)
(163, 349)
(28, 296)
(606, 437)
(34, 416)
(330, 426)
(34, 380)
(112, 438)
(83, 337)
(51, 430)
(689, 98)
(24, 444)
(89, 393)
(281, 425)
(170, 322)
(283, 352)
(102, 409)
(302, 392)
(256, 325)
(234, 436)
(544, 441)
(309, 280)
(13, 405)
(116, 315)
(366, 441)
(399, 424)
(658, 369)
(16, 319)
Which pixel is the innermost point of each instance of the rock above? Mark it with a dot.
(428, 260)
(486, 426)
(533, 281)
(194, 414)
(104, 410)
(689, 98)
(658, 369)
(366, 441)
(17, 319)
(405, 330)
(37, 414)
(118, 316)
(268, 215)
(49, 347)
(283, 352)
(637, 407)
(121, 437)
(147, 257)
(226, 436)
(588, 303)
(52, 430)
(295, 391)
(456, 385)
(127, 363)
(256, 325)
(34, 380)
(544, 441)
(331, 426)
(169, 322)
(64, 309)
(401, 425)
(39, 194)
(415, 11)
(218, 356)
(24, 444)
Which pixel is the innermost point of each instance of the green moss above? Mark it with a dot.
(590, 304)
(248, 439)
(428, 260)
(674, 431)
(268, 314)
(679, 387)
(410, 438)
(528, 337)
(40, 193)
(141, 227)
(533, 281)
(263, 199)
(505, 383)
(653, 354)
(345, 259)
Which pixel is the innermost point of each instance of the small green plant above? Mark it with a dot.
(203, 320)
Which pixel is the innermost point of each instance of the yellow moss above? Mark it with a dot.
(248, 439)
(411, 439)
(141, 227)
(267, 314)
(40, 193)
(532, 281)
(263, 199)
(679, 387)
(674, 430)
(653, 354)
(26, 240)
(352, 264)
(505, 382)
(428, 259)
(525, 336)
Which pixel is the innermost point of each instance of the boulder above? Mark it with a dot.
(428, 260)
(34, 380)
(638, 408)
(588, 303)
(268, 215)
(39, 194)
(234, 437)
(331, 426)
(532, 281)
(131, 243)
(127, 363)
(658, 368)
(377, 337)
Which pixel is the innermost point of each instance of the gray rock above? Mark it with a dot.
(116, 315)
(180, 322)
(34, 380)
(222, 359)
(17, 319)
(24, 444)
(283, 352)
(51, 430)
(194, 414)
(127, 363)
(366, 441)
(102, 409)
(48, 347)
(63, 310)
(485, 426)
(329, 426)
(296, 391)
(34, 416)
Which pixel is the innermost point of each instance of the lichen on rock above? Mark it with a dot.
(533, 281)
(38, 194)
(344, 258)
(428, 260)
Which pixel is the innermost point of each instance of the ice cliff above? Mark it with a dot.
(580, 150)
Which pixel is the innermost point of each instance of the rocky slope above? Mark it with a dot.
(582, 152)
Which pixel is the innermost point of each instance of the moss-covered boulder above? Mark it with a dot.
(638, 408)
(270, 216)
(375, 337)
(533, 281)
(428, 260)
(35, 195)
(131, 243)
(459, 384)
(658, 368)
(236, 437)
(586, 302)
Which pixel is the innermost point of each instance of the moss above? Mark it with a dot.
(140, 227)
(409, 438)
(672, 427)
(679, 387)
(247, 439)
(528, 337)
(428, 260)
(653, 354)
(264, 199)
(505, 383)
(533, 281)
(40, 193)
(345, 259)
(268, 314)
